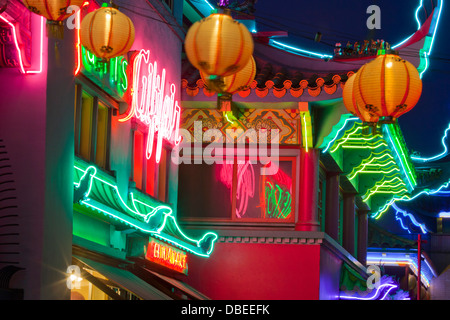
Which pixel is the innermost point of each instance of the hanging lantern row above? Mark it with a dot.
(105, 32)
(383, 89)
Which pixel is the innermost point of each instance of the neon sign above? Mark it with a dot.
(20, 50)
(147, 217)
(151, 105)
(167, 256)
(111, 75)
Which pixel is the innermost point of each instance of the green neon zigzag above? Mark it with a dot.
(386, 186)
(369, 166)
(138, 224)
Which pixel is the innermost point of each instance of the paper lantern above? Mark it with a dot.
(218, 45)
(52, 10)
(234, 83)
(350, 103)
(387, 87)
(107, 33)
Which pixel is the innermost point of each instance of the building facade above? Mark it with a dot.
(125, 179)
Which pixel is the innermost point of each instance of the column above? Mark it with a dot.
(307, 194)
(362, 236)
(332, 205)
(348, 237)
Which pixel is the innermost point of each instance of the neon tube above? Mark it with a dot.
(371, 296)
(298, 51)
(400, 158)
(19, 52)
(378, 259)
(159, 111)
(305, 138)
(78, 43)
(439, 156)
(337, 133)
(146, 217)
(41, 58)
(16, 43)
(382, 210)
(411, 217)
(427, 52)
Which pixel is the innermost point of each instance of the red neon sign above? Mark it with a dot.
(167, 256)
(151, 105)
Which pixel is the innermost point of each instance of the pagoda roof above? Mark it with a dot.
(290, 74)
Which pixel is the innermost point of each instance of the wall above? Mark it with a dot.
(330, 272)
(37, 128)
(257, 271)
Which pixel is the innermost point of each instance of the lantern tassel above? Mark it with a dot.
(55, 29)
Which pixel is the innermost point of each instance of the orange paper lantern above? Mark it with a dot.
(219, 45)
(107, 33)
(350, 103)
(52, 10)
(386, 87)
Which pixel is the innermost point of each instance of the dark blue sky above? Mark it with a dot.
(343, 20)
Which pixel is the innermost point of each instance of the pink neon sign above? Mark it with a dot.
(19, 51)
(151, 105)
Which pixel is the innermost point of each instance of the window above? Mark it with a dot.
(150, 177)
(237, 191)
(92, 129)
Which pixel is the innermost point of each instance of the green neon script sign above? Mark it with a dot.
(111, 76)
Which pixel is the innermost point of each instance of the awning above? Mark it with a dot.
(125, 279)
(184, 287)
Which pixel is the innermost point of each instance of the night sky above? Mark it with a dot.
(345, 20)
